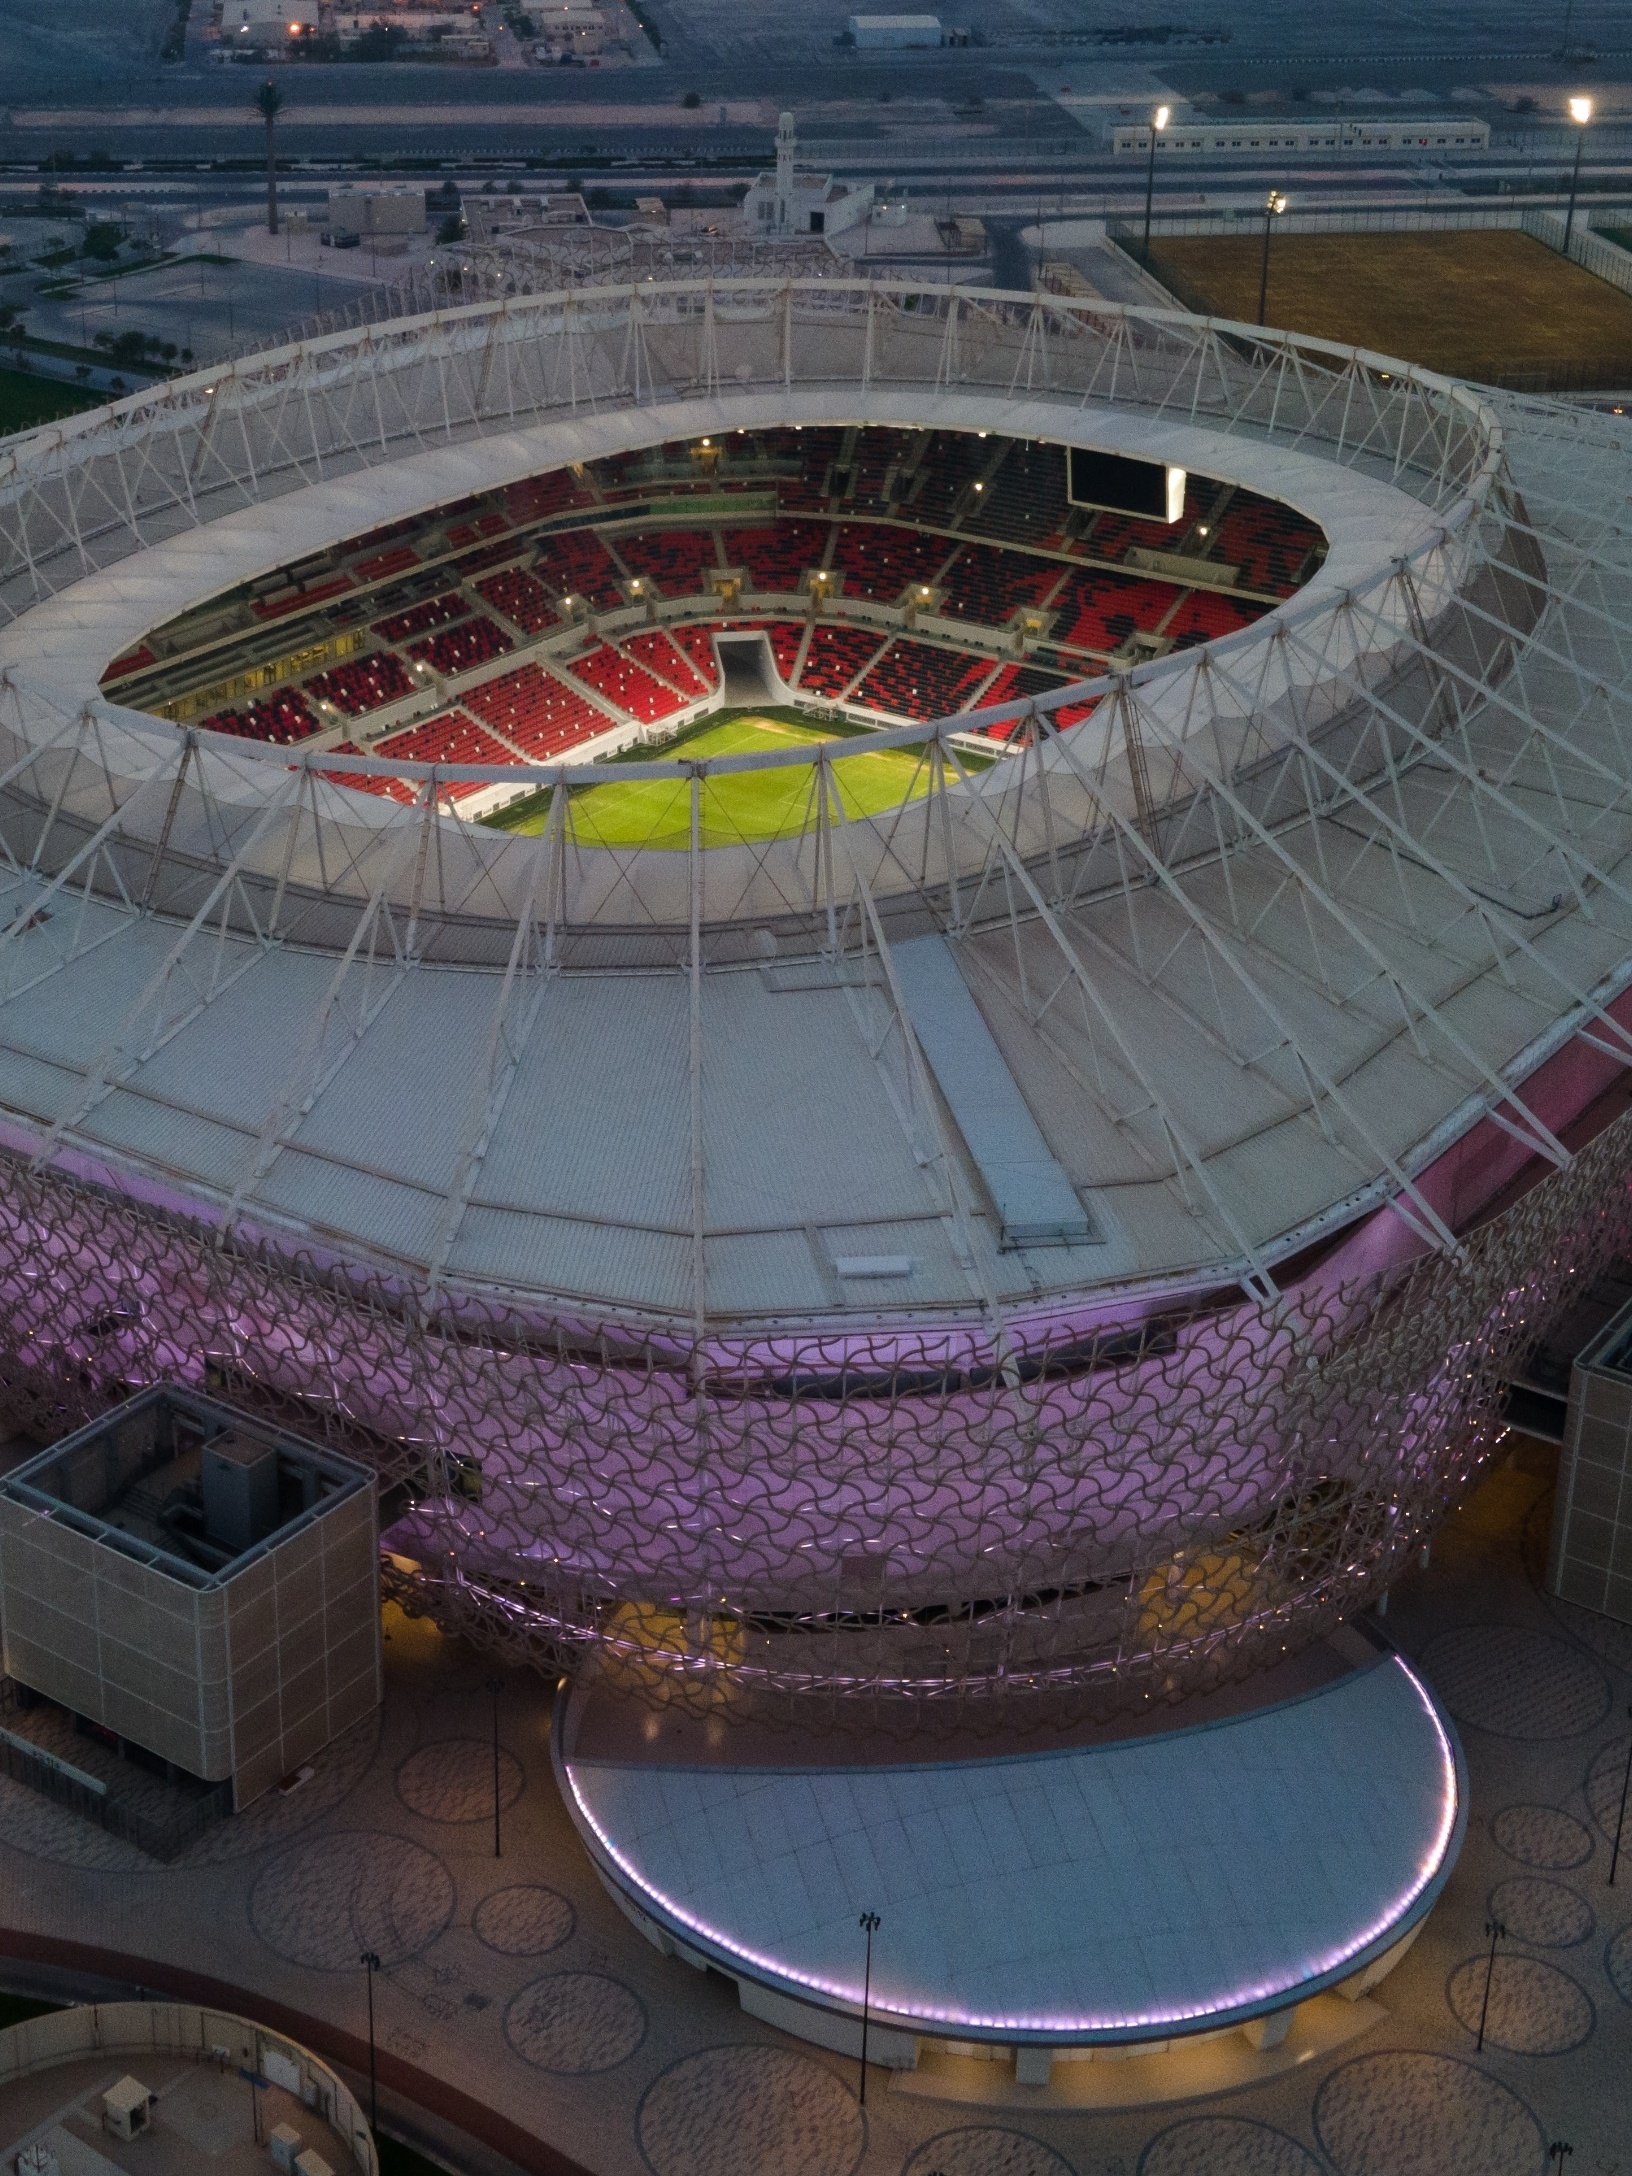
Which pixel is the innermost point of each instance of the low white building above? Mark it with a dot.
(794, 200)
(895, 33)
(1455, 132)
(376, 211)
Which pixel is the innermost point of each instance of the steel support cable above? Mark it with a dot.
(1432, 1224)
(1441, 750)
(1539, 1136)
(1357, 795)
(269, 1139)
(1258, 1278)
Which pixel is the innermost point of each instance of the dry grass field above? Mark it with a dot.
(1487, 304)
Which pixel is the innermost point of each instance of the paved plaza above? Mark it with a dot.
(518, 1983)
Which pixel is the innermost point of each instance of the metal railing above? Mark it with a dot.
(92, 1800)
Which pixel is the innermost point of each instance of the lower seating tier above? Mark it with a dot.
(450, 738)
(537, 713)
(653, 649)
(626, 684)
(917, 680)
(836, 656)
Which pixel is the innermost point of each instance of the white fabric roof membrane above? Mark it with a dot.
(1231, 960)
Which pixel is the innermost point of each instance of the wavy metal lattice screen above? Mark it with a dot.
(1096, 1527)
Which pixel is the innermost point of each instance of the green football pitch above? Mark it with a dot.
(738, 806)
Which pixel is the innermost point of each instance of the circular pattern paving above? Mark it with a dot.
(1606, 1779)
(750, 2108)
(524, 1922)
(984, 2150)
(1618, 1963)
(1225, 2146)
(324, 1903)
(1516, 1684)
(1546, 1914)
(1534, 2009)
(1609, 1639)
(1542, 1836)
(44, 1830)
(452, 1780)
(575, 2022)
(31, 1823)
(276, 1815)
(1425, 2115)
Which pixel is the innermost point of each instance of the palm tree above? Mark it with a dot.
(269, 104)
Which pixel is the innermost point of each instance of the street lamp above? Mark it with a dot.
(1158, 121)
(1580, 114)
(1620, 1819)
(1274, 205)
(495, 1686)
(869, 1926)
(370, 1962)
(1497, 1932)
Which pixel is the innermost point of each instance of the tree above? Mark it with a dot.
(102, 241)
(269, 104)
(380, 41)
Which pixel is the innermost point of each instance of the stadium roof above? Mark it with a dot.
(1150, 1006)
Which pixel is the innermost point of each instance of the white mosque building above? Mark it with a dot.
(797, 201)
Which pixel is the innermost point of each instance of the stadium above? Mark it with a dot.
(899, 1100)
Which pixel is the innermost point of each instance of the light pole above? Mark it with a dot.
(370, 1962)
(1580, 114)
(1495, 1929)
(1620, 1818)
(1158, 121)
(1559, 2151)
(1274, 205)
(495, 1686)
(869, 1927)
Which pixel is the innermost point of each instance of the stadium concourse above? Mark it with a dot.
(937, 1234)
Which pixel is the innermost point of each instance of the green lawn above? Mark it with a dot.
(26, 400)
(747, 805)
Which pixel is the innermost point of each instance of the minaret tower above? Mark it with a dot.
(785, 145)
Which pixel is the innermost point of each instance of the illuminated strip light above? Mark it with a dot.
(1240, 1999)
